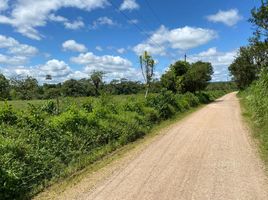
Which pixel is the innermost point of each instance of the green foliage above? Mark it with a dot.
(225, 86)
(258, 100)
(243, 68)
(197, 77)
(255, 102)
(259, 18)
(25, 88)
(172, 79)
(96, 78)
(50, 107)
(252, 60)
(7, 114)
(184, 77)
(72, 88)
(4, 87)
(38, 145)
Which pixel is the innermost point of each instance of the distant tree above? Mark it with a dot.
(24, 88)
(96, 78)
(197, 77)
(184, 77)
(4, 87)
(89, 89)
(244, 68)
(173, 78)
(147, 65)
(72, 88)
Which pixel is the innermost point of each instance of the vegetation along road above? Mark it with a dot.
(208, 155)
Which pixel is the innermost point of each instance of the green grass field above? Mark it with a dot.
(66, 101)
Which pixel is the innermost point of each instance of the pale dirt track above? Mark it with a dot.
(207, 156)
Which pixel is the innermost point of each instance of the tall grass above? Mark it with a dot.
(255, 101)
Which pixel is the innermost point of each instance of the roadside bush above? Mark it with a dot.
(258, 99)
(7, 114)
(164, 102)
(50, 107)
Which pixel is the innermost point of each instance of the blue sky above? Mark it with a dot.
(71, 38)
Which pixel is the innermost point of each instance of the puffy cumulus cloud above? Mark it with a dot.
(72, 45)
(180, 39)
(219, 60)
(16, 53)
(102, 21)
(114, 66)
(104, 63)
(3, 5)
(55, 68)
(228, 17)
(14, 47)
(12, 60)
(129, 5)
(59, 70)
(27, 15)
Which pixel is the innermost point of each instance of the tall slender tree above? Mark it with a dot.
(147, 65)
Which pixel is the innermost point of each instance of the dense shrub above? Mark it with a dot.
(39, 144)
(257, 98)
(7, 114)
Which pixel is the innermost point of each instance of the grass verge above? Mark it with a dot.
(258, 132)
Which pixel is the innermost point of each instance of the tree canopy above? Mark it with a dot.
(185, 77)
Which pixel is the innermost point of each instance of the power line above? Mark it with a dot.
(154, 13)
(139, 28)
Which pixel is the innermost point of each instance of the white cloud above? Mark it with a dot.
(180, 38)
(99, 48)
(57, 18)
(114, 66)
(77, 24)
(228, 17)
(74, 25)
(55, 68)
(129, 5)
(121, 50)
(17, 53)
(219, 60)
(12, 60)
(133, 21)
(72, 45)
(59, 70)
(16, 48)
(3, 5)
(27, 15)
(101, 21)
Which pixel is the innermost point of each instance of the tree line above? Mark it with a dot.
(181, 77)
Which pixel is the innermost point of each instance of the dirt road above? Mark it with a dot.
(207, 156)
